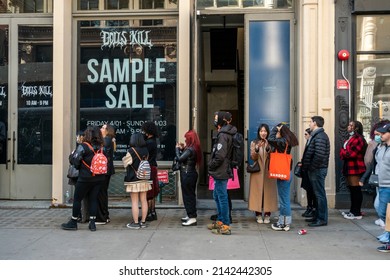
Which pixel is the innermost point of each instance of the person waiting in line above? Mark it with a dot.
(219, 168)
(369, 161)
(352, 153)
(189, 156)
(108, 132)
(149, 130)
(87, 184)
(382, 158)
(305, 184)
(136, 187)
(315, 162)
(263, 196)
(280, 138)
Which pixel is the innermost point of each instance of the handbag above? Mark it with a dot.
(253, 168)
(279, 166)
(127, 160)
(175, 164)
(73, 173)
(298, 170)
(373, 181)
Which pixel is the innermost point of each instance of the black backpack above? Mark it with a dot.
(237, 157)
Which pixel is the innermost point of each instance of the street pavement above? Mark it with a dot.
(30, 230)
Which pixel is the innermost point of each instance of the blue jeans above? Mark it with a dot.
(384, 198)
(284, 201)
(220, 196)
(317, 180)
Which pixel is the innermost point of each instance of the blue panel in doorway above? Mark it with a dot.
(269, 74)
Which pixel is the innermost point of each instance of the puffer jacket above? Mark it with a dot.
(219, 164)
(316, 154)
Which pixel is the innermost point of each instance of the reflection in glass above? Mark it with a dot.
(116, 4)
(26, 6)
(269, 4)
(88, 4)
(3, 92)
(372, 97)
(126, 76)
(35, 95)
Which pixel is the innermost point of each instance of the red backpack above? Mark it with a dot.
(98, 163)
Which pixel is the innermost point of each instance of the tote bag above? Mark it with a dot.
(279, 166)
(233, 183)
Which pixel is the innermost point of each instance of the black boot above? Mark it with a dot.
(152, 216)
(92, 225)
(308, 213)
(71, 225)
(214, 217)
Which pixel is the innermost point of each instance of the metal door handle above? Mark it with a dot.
(13, 150)
(8, 160)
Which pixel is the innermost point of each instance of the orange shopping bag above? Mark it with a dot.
(280, 165)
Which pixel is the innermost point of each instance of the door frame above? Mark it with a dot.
(21, 181)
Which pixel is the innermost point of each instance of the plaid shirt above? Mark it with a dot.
(353, 155)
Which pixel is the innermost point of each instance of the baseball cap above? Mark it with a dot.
(384, 129)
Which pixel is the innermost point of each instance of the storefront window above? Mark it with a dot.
(372, 96)
(126, 76)
(26, 6)
(35, 95)
(268, 4)
(126, 4)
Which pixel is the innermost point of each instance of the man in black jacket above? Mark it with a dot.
(221, 170)
(315, 162)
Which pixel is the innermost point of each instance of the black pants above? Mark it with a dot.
(188, 187)
(102, 211)
(89, 189)
(356, 200)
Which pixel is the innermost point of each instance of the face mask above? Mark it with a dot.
(377, 139)
(216, 124)
(352, 133)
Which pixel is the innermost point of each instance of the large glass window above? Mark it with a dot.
(35, 94)
(267, 4)
(126, 4)
(26, 6)
(126, 76)
(372, 96)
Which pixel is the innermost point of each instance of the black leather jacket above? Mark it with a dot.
(187, 159)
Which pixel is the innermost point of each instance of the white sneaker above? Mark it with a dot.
(185, 219)
(190, 222)
(380, 223)
(259, 219)
(351, 216)
(345, 213)
(266, 220)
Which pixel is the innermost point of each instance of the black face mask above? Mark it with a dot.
(216, 124)
(145, 136)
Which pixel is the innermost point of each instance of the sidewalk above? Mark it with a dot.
(31, 230)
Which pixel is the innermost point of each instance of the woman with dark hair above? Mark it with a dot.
(88, 184)
(109, 145)
(305, 184)
(136, 187)
(262, 190)
(150, 133)
(281, 138)
(352, 153)
(189, 156)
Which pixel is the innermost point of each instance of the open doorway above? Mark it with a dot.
(221, 88)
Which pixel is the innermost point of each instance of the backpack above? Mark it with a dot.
(143, 172)
(237, 157)
(99, 162)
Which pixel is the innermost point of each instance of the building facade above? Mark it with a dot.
(65, 65)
